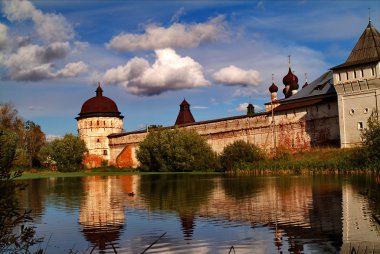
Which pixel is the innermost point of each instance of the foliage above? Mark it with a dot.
(176, 150)
(238, 153)
(371, 139)
(11, 217)
(67, 153)
(8, 144)
(30, 136)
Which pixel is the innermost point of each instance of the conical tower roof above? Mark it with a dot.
(184, 115)
(366, 50)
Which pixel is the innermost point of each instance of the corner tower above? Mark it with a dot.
(357, 83)
(98, 118)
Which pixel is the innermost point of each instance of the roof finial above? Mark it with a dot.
(306, 77)
(289, 60)
(99, 90)
(272, 78)
(369, 15)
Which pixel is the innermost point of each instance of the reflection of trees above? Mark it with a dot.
(242, 186)
(175, 192)
(65, 191)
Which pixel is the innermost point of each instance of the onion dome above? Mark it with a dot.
(273, 88)
(99, 106)
(289, 78)
(294, 86)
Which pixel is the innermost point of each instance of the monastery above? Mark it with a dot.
(330, 111)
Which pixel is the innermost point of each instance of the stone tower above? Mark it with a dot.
(357, 83)
(98, 118)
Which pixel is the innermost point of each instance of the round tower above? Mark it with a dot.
(98, 118)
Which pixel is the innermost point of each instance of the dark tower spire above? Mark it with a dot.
(184, 115)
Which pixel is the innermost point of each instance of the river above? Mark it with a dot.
(190, 213)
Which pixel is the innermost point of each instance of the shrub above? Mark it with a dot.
(176, 150)
(371, 138)
(238, 154)
(67, 153)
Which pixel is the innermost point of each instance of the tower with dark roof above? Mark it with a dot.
(290, 82)
(184, 115)
(357, 83)
(98, 118)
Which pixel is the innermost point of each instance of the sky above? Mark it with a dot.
(150, 55)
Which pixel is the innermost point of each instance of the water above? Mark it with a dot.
(205, 213)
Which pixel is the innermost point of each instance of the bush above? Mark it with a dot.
(67, 153)
(371, 138)
(176, 150)
(239, 153)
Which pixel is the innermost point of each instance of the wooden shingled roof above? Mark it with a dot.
(366, 50)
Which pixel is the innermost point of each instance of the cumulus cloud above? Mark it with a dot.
(32, 62)
(170, 71)
(72, 70)
(175, 36)
(49, 27)
(233, 76)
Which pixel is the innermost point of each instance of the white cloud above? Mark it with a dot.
(233, 76)
(170, 71)
(175, 36)
(49, 27)
(199, 107)
(72, 70)
(243, 107)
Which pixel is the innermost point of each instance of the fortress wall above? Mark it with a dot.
(297, 129)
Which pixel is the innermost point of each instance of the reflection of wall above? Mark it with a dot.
(102, 210)
(355, 221)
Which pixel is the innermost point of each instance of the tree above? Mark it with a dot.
(67, 153)
(8, 144)
(30, 136)
(238, 153)
(176, 150)
(371, 139)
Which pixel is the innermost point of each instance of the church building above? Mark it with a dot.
(330, 111)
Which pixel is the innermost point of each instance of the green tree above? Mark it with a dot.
(67, 153)
(8, 145)
(238, 153)
(176, 150)
(371, 139)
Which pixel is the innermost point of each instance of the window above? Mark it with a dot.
(354, 73)
(98, 140)
(104, 152)
(97, 123)
(360, 126)
(339, 77)
(328, 106)
(365, 111)
(362, 71)
(352, 112)
(346, 75)
(373, 71)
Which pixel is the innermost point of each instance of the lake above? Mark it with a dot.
(190, 213)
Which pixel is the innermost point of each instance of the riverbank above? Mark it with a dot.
(315, 161)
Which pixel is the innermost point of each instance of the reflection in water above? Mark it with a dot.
(209, 214)
(102, 209)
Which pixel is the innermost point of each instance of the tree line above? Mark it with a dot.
(24, 145)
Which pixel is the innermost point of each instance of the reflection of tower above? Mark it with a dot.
(102, 212)
(187, 221)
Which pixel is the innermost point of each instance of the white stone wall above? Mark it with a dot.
(296, 129)
(94, 131)
(358, 96)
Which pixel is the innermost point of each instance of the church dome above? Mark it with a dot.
(294, 86)
(273, 88)
(99, 106)
(290, 78)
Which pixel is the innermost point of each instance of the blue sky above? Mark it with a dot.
(149, 55)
